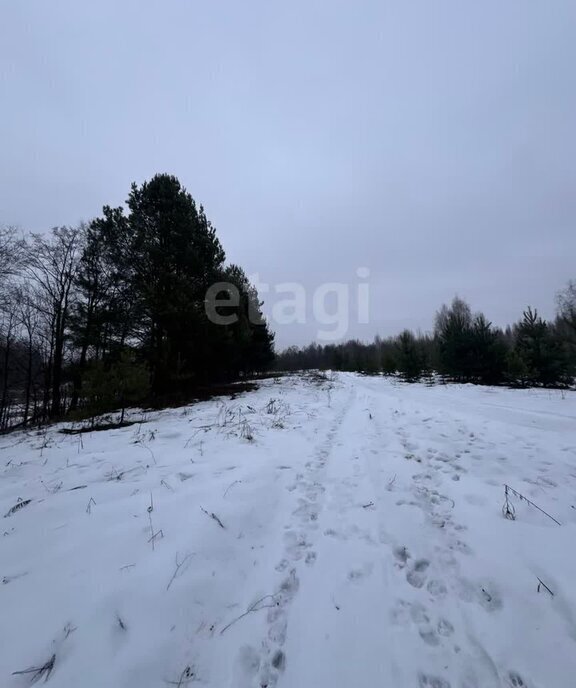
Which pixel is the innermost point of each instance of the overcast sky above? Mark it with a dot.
(432, 142)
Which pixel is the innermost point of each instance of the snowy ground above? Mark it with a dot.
(363, 543)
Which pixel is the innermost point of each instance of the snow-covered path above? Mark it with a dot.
(323, 534)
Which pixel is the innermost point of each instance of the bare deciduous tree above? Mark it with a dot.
(8, 327)
(29, 324)
(12, 254)
(566, 305)
(51, 266)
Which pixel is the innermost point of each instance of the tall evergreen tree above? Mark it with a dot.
(410, 361)
(452, 330)
(167, 252)
(487, 354)
(541, 350)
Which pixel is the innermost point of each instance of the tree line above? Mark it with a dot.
(115, 312)
(463, 347)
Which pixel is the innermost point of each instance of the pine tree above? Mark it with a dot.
(114, 385)
(453, 335)
(538, 345)
(409, 357)
(487, 355)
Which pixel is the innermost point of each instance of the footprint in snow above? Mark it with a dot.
(436, 588)
(279, 660)
(483, 593)
(306, 512)
(401, 555)
(429, 635)
(282, 566)
(185, 476)
(416, 576)
(288, 588)
(462, 547)
(356, 575)
(278, 626)
(514, 680)
(246, 667)
(403, 502)
(489, 598)
(428, 681)
(310, 558)
(445, 628)
(431, 632)
(313, 490)
(268, 677)
(400, 613)
(547, 481)
(297, 546)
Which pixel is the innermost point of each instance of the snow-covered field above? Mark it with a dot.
(342, 534)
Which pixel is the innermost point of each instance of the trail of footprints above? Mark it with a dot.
(431, 629)
(263, 668)
(434, 629)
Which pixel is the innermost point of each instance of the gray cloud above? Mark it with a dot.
(430, 141)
